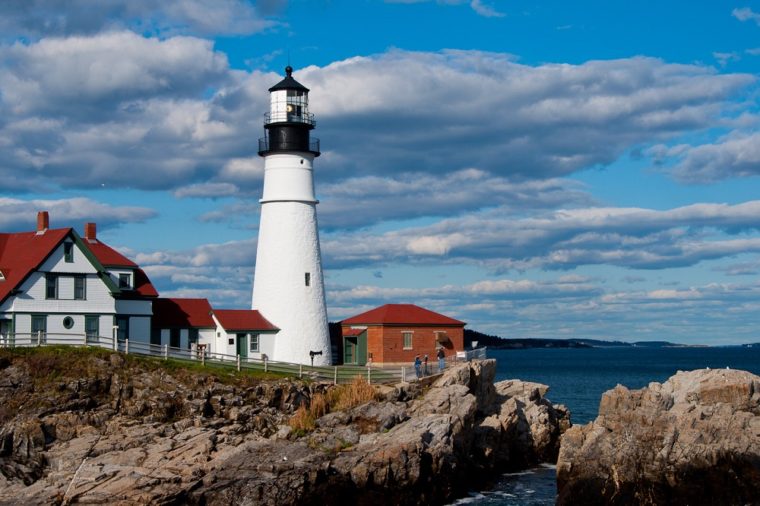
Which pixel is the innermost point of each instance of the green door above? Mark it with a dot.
(242, 345)
(349, 350)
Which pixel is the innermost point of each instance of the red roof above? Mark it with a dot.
(22, 253)
(184, 313)
(401, 314)
(108, 256)
(242, 319)
(353, 332)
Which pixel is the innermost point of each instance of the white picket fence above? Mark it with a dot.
(334, 374)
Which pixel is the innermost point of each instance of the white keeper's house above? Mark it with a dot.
(57, 286)
(54, 282)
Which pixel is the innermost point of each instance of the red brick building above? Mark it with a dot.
(395, 333)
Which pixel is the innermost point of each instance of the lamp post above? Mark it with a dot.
(311, 354)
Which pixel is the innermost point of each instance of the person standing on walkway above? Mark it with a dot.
(441, 359)
(418, 366)
(425, 369)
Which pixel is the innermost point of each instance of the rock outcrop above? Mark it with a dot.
(694, 439)
(116, 430)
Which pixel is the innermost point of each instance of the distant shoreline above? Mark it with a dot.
(495, 342)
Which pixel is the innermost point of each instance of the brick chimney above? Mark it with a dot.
(90, 231)
(43, 222)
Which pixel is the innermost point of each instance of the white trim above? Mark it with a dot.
(411, 339)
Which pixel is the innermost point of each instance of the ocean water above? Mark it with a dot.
(577, 378)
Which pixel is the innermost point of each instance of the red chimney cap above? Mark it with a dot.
(43, 221)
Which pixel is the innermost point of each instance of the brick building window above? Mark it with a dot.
(407, 340)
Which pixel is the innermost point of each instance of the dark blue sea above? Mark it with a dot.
(577, 378)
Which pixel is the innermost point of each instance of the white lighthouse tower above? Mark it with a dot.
(288, 288)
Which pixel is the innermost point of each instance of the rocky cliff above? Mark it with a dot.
(94, 427)
(694, 439)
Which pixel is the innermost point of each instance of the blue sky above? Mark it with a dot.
(537, 169)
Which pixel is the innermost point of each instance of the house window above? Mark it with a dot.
(51, 286)
(407, 340)
(254, 346)
(92, 327)
(68, 322)
(125, 281)
(231, 341)
(307, 278)
(68, 252)
(79, 288)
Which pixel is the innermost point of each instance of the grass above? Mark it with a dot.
(339, 398)
(48, 363)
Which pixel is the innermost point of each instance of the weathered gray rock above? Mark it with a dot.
(694, 439)
(126, 434)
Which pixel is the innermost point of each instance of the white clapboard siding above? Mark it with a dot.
(57, 263)
(98, 298)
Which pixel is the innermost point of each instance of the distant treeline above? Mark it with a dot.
(500, 342)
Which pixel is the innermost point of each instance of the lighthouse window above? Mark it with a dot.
(307, 278)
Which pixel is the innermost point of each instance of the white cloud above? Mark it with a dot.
(440, 111)
(734, 156)
(21, 215)
(565, 239)
(123, 110)
(363, 201)
(478, 6)
(206, 190)
(52, 17)
(81, 74)
(746, 14)
(725, 58)
(581, 309)
(485, 10)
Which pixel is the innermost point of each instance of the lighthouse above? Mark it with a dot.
(288, 287)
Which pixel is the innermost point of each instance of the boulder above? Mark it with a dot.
(694, 439)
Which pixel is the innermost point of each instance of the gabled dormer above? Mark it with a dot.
(126, 277)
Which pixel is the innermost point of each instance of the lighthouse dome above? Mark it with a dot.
(289, 83)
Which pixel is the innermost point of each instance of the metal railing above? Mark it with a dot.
(334, 374)
(313, 147)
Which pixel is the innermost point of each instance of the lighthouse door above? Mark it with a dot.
(242, 345)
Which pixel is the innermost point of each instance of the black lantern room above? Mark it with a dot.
(288, 121)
